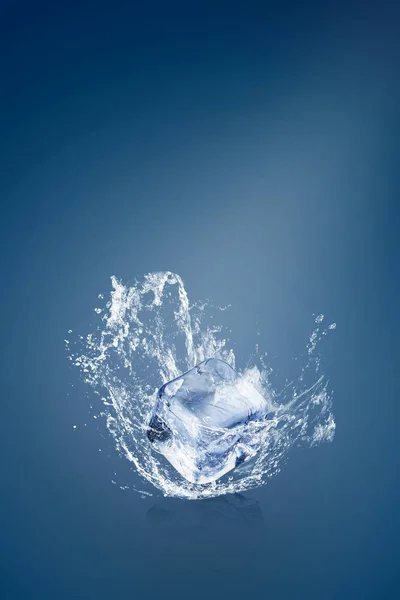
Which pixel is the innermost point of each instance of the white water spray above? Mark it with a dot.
(150, 333)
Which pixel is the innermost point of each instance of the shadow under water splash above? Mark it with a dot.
(215, 522)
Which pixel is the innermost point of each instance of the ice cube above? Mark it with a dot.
(207, 421)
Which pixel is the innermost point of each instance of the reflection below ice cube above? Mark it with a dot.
(207, 421)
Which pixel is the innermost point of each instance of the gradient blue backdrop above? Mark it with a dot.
(252, 148)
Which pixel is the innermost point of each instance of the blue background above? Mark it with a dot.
(253, 149)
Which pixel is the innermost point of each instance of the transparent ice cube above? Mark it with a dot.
(207, 421)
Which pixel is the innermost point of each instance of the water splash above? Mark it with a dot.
(150, 333)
